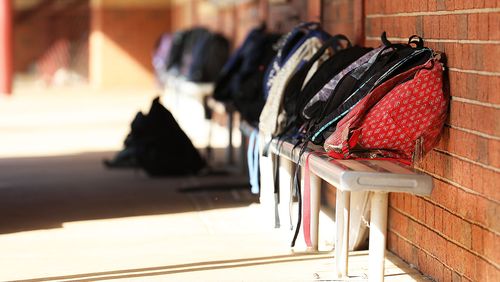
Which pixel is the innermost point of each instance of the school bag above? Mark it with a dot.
(210, 53)
(296, 97)
(400, 119)
(183, 46)
(270, 123)
(157, 144)
(317, 101)
(287, 46)
(360, 81)
(241, 78)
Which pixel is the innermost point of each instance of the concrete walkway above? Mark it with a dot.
(64, 217)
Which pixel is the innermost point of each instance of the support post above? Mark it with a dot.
(6, 54)
(342, 241)
(315, 185)
(378, 233)
(230, 121)
(286, 176)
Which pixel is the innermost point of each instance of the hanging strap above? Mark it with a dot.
(296, 186)
(276, 175)
(253, 162)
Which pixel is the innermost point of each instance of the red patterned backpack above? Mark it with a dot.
(400, 119)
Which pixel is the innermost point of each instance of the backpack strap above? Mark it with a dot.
(417, 40)
(384, 39)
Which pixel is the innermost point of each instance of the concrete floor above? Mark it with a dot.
(64, 217)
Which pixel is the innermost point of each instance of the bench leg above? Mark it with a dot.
(286, 176)
(229, 149)
(378, 232)
(315, 185)
(267, 186)
(343, 202)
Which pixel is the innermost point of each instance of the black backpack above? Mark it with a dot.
(396, 58)
(209, 56)
(183, 46)
(240, 81)
(296, 96)
(157, 144)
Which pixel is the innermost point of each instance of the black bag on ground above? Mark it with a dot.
(157, 144)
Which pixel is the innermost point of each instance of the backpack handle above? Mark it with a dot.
(417, 40)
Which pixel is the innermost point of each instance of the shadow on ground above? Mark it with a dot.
(44, 192)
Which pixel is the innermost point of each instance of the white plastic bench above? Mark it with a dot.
(379, 177)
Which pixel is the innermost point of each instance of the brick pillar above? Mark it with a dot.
(122, 38)
(6, 54)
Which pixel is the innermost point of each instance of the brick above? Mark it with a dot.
(447, 276)
(494, 26)
(494, 153)
(481, 270)
(449, 4)
(433, 239)
(477, 239)
(476, 117)
(454, 257)
(441, 247)
(412, 233)
(440, 5)
(465, 201)
(491, 246)
(489, 51)
(466, 62)
(423, 262)
(478, 4)
(493, 84)
(493, 273)
(438, 271)
(470, 265)
(448, 220)
(423, 6)
(444, 194)
(438, 219)
(481, 211)
(484, 182)
(419, 26)
(429, 215)
(483, 29)
(462, 26)
(468, 5)
(473, 26)
(455, 277)
(465, 234)
(392, 241)
(444, 27)
(431, 5)
(420, 209)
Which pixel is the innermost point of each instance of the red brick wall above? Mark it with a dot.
(344, 16)
(454, 233)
